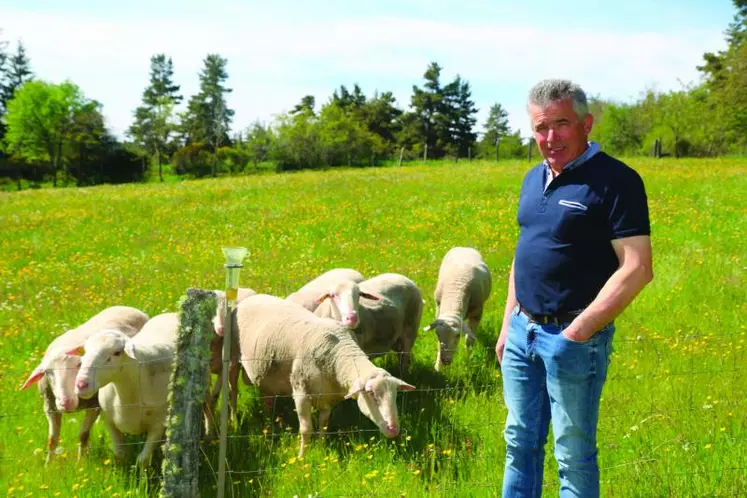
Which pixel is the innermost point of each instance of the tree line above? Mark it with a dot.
(54, 131)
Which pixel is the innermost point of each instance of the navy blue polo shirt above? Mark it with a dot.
(564, 254)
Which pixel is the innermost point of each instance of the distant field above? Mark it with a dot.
(673, 412)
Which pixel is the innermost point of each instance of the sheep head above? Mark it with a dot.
(449, 330)
(377, 400)
(104, 354)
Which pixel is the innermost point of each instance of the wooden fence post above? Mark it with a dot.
(187, 390)
(425, 154)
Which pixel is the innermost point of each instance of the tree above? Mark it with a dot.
(346, 140)
(382, 117)
(726, 79)
(208, 118)
(41, 121)
(619, 128)
(464, 119)
(496, 125)
(154, 124)
(14, 71)
(426, 126)
(3, 60)
(17, 72)
(298, 143)
(306, 106)
(88, 135)
(258, 143)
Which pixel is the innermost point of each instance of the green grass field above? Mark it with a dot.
(673, 417)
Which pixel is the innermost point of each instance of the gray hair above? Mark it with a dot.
(553, 90)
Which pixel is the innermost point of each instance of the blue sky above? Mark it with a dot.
(278, 51)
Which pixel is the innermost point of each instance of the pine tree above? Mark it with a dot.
(425, 127)
(496, 125)
(465, 121)
(154, 126)
(208, 118)
(17, 73)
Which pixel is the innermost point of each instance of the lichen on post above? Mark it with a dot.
(188, 387)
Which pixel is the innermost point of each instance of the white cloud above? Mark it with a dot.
(272, 63)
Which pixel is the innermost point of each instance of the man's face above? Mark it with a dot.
(559, 133)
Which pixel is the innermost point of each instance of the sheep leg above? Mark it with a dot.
(54, 418)
(233, 383)
(324, 414)
(85, 430)
(208, 414)
(474, 322)
(154, 437)
(305, 423)
(118, 441)
(215, 392)
(405, 351)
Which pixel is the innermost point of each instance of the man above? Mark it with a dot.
(583, 254)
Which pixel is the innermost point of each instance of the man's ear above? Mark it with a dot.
(588, 123)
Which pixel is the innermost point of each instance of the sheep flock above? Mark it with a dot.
(316, 346)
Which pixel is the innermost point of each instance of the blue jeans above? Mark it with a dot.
(549, 377)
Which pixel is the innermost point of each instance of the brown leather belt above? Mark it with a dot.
(548, 319)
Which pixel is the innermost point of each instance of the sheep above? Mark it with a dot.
(287, 350)
(464, 284)
(216, 352)
(56, 372)
(132, 387)
(308, 295)
(383, 313)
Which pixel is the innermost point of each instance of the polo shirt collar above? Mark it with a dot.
(590, 152)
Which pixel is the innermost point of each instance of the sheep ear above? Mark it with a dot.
(321, 298)
(76, 351)
(404, 386)
(432, 326)
(467, 331)
(35, 376)
(129, 349)
(356, 389)
(368, 295)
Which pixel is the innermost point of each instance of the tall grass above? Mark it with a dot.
(673, 412)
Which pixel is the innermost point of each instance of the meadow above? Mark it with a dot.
(673, 420)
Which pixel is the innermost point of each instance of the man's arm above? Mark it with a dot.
(634, 272)
(511, 303)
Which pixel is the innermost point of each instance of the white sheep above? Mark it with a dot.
(131, 376)
(56, 372)
(464, 284)
(383, 313)
(287, 350)
(308, 295)
(216, 353)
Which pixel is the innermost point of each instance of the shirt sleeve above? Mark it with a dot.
(628, 206)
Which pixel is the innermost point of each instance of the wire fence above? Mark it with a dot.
(690, 399)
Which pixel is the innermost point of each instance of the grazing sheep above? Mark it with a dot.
(131, 376)
(56, 372)
(216, 350)
(287, 350)
(464, 284)
(383, 313)
(308, 295)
